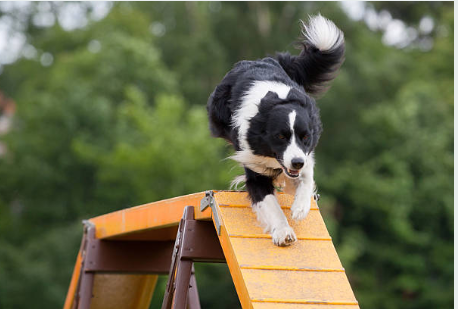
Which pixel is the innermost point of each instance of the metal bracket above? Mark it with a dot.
(87, 225)
(207, 201)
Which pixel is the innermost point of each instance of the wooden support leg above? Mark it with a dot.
(84, 296)
(196, 242)
(182, 281)
(169, 295)
(193, 294)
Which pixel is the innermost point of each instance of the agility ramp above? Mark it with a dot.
(123, 252)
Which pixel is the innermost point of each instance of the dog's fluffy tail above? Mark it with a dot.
(323, 49)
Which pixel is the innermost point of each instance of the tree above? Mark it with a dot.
(97, 131)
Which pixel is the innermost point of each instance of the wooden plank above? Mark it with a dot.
(240, 199)
(304, 254)
(242, 221)
(73, 282)
(258, 305)
(300, 287)
(123, 291)
(234, 269)
(146, 291)
(155, 234)
(149, 216)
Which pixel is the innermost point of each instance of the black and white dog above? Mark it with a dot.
(265, 110)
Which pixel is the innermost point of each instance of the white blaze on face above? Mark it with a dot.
(293, 150)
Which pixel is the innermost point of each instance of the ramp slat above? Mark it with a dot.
(292, 286)
(300, 306)
(242, 222)
(240, 199)
(304, 254)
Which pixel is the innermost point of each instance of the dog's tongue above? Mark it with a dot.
(293, 172)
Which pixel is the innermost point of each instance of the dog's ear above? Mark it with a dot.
(269, 101)
(270, 96)
(295, 95)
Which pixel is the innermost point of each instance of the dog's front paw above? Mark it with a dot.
(283, 236)
(300, 211)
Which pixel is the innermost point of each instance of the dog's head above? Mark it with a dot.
(286, 129)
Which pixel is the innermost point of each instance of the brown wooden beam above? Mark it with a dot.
(142, 257)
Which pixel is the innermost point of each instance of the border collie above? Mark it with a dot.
(265, 109)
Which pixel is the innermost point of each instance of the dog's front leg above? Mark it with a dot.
(267, 208)
(304, 192)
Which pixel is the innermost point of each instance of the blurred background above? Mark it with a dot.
(102, 107)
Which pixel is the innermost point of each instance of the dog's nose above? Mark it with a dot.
(297, 163)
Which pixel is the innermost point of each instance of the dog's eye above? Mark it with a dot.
(281, 136)
(305, 138)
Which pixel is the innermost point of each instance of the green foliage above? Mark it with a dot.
(101, 130)
(39, 269)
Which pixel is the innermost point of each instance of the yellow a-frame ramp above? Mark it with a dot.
(306, 275)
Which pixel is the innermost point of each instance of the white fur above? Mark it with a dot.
(249, 106)
(304, 191)
(256, 163)
(237, 181)
(293, 150)
(322, 33)
(273, 220)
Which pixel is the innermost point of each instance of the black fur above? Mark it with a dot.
(258, 186)
(313, 69)
(226, 97)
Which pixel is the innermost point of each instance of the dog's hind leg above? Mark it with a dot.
(267, 208)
